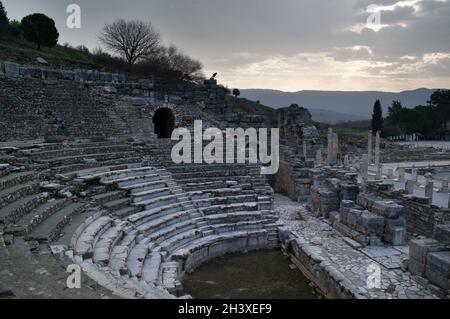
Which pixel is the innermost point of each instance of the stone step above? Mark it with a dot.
(166, 220)
(13, 179)
(131, 181)
(117, 204)
(229, 208)
(157, 202)
(11, 194)
(30, 221)
(151, 194)
(238, 226)
(82, 158)
(175, 229)
(136, 259)
(14, 211)
(86, 240)
(188, 249)
(106, 242)
(234, 217)
(108, 197)
(124, 174)
(50, 228)
(76, 151)
(127, 211)
(71, 227)
(151, 268)
(148, 215)
(212, 173)
(136, 188)
(179, 240)
(214, 201)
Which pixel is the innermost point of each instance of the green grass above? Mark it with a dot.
(247, 107)
(24, 52)
(350, 131)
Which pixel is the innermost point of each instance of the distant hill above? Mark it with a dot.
(331, 117)
(337, 106)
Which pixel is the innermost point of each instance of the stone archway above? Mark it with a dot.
(164, 122)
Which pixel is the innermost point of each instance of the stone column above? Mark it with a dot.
(346, 161)
(410, 184)
(364, 166)
(319, 157)
(401, 174)
(444, 188)
(390, 173)
(330, 138)
(429, 186)
(414, 174)
(377, 157)
(334, 148)
(370, 147)
(429, 189)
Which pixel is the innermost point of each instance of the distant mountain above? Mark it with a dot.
(338, 106)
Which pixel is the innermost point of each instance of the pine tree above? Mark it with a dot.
(4, 21)
(377, 117)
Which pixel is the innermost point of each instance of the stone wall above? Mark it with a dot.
(330, 282)
(421, 217)
(14, 70)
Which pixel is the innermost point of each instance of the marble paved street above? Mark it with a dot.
(353, 263)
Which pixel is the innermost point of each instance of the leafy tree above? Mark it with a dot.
(377, 117)
(4, 21)
(40, 29)
(236, 93)
(15, 29)
(440, 105)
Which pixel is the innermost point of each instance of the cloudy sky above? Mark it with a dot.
(289, 45)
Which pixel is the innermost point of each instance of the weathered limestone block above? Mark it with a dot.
(418, 251)
(442, 233)
(68, 75)
(429, 189)
(354, 218)
(333, 184)
(51, 74)
(371, 224)
(105, 77)
(438, 269)
(395, 232)
(346, 205)
(31, 72)
(410, 186)
(324, 201)
(420, 248)
(388, 209)
(11, 69)
(349, 191)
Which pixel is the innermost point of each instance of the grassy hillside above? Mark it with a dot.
(247, 107)
(24, 52)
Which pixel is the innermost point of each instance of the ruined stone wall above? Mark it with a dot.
(421, 218)
(284, 183)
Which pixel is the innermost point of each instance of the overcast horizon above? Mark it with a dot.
(288, 45)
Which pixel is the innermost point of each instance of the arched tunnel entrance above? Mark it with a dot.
(164, 122)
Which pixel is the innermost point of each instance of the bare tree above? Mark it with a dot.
(180, 62)
(133, 40)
